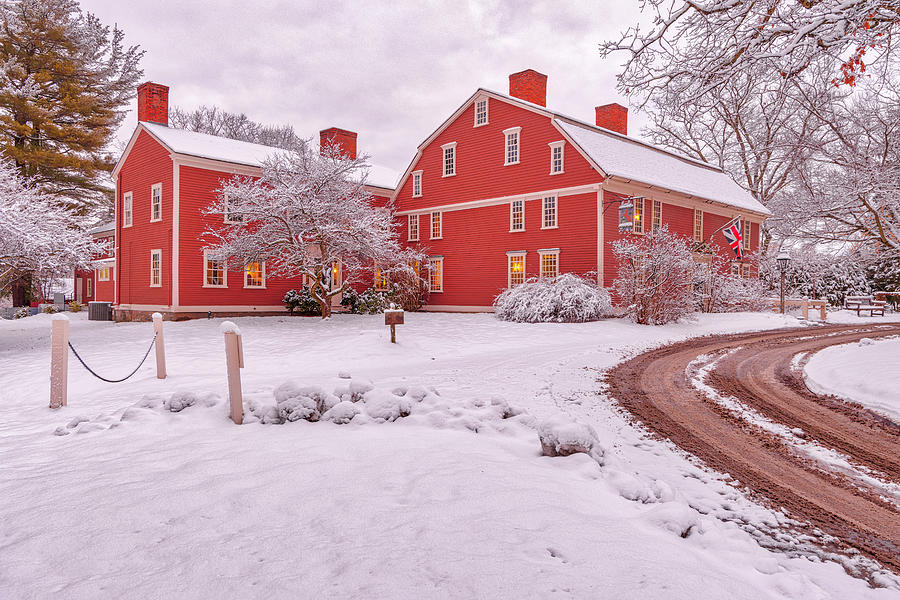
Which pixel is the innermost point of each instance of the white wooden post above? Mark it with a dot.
(160, 346)
(59, 360)
(234, 362)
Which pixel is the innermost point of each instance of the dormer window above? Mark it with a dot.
(556, 157)
(417, 184)
(449, 159)
(511, 136)
(481, 112)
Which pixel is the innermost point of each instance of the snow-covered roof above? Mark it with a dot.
(203, 145)
(103, 228)
(627, 158)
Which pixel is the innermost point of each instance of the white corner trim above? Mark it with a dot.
(176, 224)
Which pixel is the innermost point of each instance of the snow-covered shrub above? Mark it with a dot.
(353, 390)
(567, 298)
(50, 309)
(369, 302)
(383, 405)
(76, 306)
(656, 276)
(21, 312)
(560, 436)
(295, 402)
(301, 301)
(182, 399)
(718, 290)
(341, 413)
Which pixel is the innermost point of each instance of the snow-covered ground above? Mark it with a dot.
(116, 495)
(866, 372)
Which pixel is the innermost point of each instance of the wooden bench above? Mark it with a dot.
(852, 302)
(876, 307)
(805, 304)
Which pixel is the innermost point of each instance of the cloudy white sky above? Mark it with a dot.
(391, 71)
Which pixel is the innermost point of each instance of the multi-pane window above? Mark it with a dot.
(481, 112)
(231, 215)
(698, 225)
(417, 184)
(155, 268)
(436, 274)
(745, 242)
(436, 226)
(449, 159)
(516, 268)
(214, 271)
(549, 263)
(512, 145)
(556, 157)
(381, 280)
(103, 274)
(413, 229)
(89, 288)
(255, 275)
(549, 213)
(156, 202)
(745, 270)
(127, 209)
(638, 215)
(517, 215)
(656, 222)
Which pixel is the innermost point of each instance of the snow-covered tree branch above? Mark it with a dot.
(308, 215)
(38, 236)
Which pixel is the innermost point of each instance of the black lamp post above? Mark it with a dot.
(783, 261)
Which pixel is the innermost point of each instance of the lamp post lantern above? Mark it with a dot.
(783, 261)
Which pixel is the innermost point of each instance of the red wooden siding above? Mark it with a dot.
(147, 163)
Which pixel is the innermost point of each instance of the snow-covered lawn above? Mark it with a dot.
(452, 501)
(867, 372)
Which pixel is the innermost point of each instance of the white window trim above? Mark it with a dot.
(562, 157)
(206, 283)
(154, 187)
(410, 219)
(418, 175)
(697, 212)
(225, 218)
(511, 205)
(506, 132)
(487, 111)
(262, 273)
(431, 261)
(643, 212)
(509, 257)
(100, 276)
(653, 205)
(544, 212)
(444, 149)
(543, 252)
(127, 209)
(431, 225)
(89, 287)
(156, 252)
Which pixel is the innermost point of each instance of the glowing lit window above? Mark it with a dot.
(516, 268)
(517, 215)
(436, 274)
(549, 262)
(103, 274)
(255, 275)
(214, 269)
(381, 280)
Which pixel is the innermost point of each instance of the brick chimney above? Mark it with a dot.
(340, 137)
(613, 117)
(529, 85)
(153, 103)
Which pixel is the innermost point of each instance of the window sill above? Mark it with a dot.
(551, 227)
(126, 226)
(225, 286)
(435, 291)
(412, 239)
(557, 172)
(450, 175)
(417, 195)
(437, 238)
(508, 164)
(158, 285)
(254, 287)
(480, 124)
(516, 230)
(156, 220)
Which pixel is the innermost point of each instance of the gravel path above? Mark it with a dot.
(850, 498)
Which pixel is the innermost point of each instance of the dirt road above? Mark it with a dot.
(760, 424)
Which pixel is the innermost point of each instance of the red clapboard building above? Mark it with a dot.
(507, 189)
(164, 180)
(98, 283)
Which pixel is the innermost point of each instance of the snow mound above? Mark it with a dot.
(561, 436)
(387, 406)
(638, 489)
(180, 400)
(308, 402)
(675, 517)
(341, 413)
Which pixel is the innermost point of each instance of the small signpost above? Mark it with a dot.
(59, 360)
(393, 317)
(234, 362)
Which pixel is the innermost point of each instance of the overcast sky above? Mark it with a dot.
(391, 71)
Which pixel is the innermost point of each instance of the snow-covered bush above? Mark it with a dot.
(561, 436)
(656, 276)
(50, 309)
(301, 301)
(295, 402)
(76, 306)
(369, 302)
(21, 312)
(718, 290)
(567, 298)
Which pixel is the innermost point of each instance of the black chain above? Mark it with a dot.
(92, 372)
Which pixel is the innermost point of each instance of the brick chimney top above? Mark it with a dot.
(613, 117)
(153, 103)
(346, 140)
(529, 85)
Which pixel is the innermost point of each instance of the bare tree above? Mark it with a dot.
(309, 215)
(703, 44)
(237, 126)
